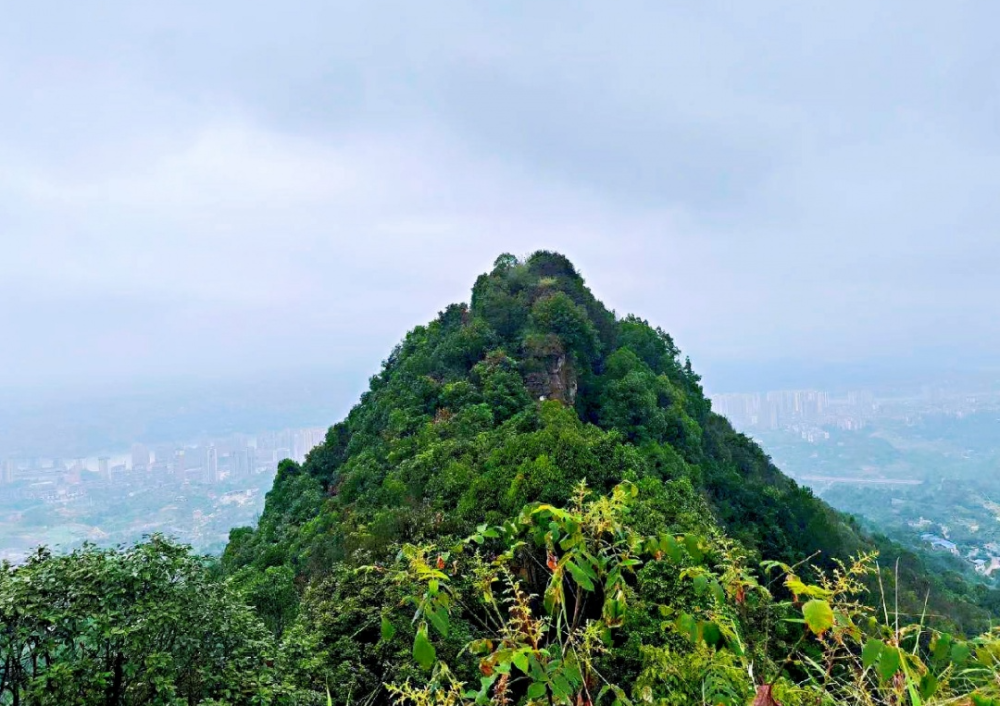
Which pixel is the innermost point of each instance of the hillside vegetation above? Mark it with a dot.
(534, 503)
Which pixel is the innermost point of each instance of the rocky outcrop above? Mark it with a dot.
(553, 378)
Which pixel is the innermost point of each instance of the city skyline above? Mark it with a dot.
(282, 444)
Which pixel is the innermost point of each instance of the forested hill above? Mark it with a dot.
(452, 432)
(517, 398)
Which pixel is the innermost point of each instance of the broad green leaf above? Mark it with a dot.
(711, 634)
(588, 563)
(941, 647)
(871, 652)
(520, 661)
(388, 629)
(888, 662)
(687, 625)
(670, 547)
(560, 686)
(580, 576)
(960, 652)
(614, 611)
(480, 647)
(928, 685)
(423, 651)
(818, 616)
(693, 545)
(439, 619)
(536, 690)
(717, 591)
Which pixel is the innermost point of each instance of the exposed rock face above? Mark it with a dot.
(555, 381)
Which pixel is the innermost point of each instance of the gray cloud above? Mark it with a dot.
(221, 187)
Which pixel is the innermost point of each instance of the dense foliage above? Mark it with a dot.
(533, 503)
(515, 399)
(718, 635)
(142, 625)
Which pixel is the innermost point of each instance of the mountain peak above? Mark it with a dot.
(529, 394)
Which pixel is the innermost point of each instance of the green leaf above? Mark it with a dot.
(614, 611)
(670, 547)
(561, 687)
(718, 592)
(536, 690)
(480, 647)
(928, 685)
(439, 619)
(960, 653)
(520, 661)
(580, 576)
(685, 624)
(799, 588)
(871, 652)
(388, 629)
(423, 651)
(711, 634)
(693, 545)
(941, 647)
(888, 663)
(818, 616)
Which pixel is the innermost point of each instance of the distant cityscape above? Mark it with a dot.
(57, 480)
(809, 412)
(195, 492)
(921, 463)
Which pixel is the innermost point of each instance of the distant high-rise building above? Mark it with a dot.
(9, 471)
(140, 457)
(163, 454)
(212, 465)
(179, 465)
(237, 462)
(104, 468)
(251, 460)
(305, 440)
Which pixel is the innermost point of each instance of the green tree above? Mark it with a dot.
(140, 625)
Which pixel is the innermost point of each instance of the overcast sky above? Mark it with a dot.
(218, 188)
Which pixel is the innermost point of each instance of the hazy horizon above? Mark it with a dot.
(223, 191)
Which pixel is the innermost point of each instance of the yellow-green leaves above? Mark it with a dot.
(818, 616)
(798, 588)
